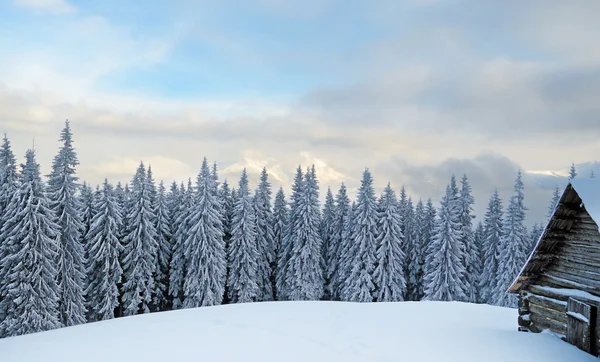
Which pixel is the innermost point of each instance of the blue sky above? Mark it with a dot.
(414, 89)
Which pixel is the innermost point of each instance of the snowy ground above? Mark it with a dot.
(304, 331)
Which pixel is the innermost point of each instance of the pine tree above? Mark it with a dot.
(8, 176)
(389, 274)
(422, 241)
(479, 238)
(103, 266)
(572, 171)
(444, 278)
(328, 237)
(86, 205)
(243, 252)
(163, 227)
(307, 282)
(204, 282)
(413, 249)
(592, 175)
(264, 236)
(226, 196)
(359, 286)
(492, 234)
(554, 202)
(536, 233)
(513, 246)
(62, 186)
(347, 247)
(427, 234)
(472, 253)
(28, 270)
(140, 247)
(284, 271)
(280, 215)
(177, 268)
(338, 245)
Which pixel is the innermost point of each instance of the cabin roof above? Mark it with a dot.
(578, 194)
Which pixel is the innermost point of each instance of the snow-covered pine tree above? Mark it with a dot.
(103, 265)
(572, 171)
(389, 273)
(402, 206)
(359, 286)
(204, 282)
(178, 259)
(280, 215)
(28, 270)
(284, 272)
(535, 234)
(342, 209)
(62, 187)
(472, 253)
(592, 174)
(307, 282)
(479, 238)
(513, 245)
(427, 234)
(243, 252)
(554, 202)
(492, 234)
(327, 235)
(163, 226)
(413, 251)
(345, 266)
(420, 219)
(226, 196)
(264, 236)
(140, 247)
(444, 277)
(86, 205)
(8, 176)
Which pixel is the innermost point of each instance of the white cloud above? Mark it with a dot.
(52, 6)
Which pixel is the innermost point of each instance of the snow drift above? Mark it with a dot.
(300, 331)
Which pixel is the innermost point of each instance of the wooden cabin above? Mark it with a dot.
(559, 286)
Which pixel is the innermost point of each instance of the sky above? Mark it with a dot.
(415, 90)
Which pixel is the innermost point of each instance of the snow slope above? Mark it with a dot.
(300, 331)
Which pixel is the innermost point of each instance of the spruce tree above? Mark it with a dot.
(103, 265)
(413, 249)
(226, 196)
(62, 187)
(8, 176)
(554, 202)
(284, 271)
(177, 268)
(389, 274)
(422, 241)
(264, 236)
(338, 245)
(280, 215)
(572, 171)
(444, 277)
(28, 270)
(205, 270)
(427, 234)
(347, 247)
(86, 205)
(479, 240)
(243, 252)
(328, 237)
(472, 253)
(492, 234)
(307, 280)
(359, 286)
(513, 246)
(140, 247)
(536, 233)
(163, 225)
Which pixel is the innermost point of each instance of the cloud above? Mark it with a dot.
(53, 6)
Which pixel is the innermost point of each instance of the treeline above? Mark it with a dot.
(70, 254)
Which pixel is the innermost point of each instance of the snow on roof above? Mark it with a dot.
(588, 190)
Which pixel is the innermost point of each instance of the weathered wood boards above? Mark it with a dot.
(579, 326)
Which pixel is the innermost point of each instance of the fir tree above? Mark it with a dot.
(243, 252)
(492, 234)
(427, 234)
(338, 244)
(513, 246)
(163, 227)
(8, 176)
(280, 215)
(422, 242)
(264, 236)
(307, 280)
(536, 233)
(328, 237)
(444, 277)
(359, 286)
(226, 196)
(103, 266)
(554, 202)
(62, 186)
(283, 262)
(592, 175)
(204, 283)
(389, 274)
(472, 253)
(178, 261)
(413, 250)
(28, 270)
(479, 241)
(572, 171)
(347, 247)
(140, 247)
(86, 205)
